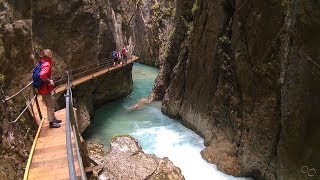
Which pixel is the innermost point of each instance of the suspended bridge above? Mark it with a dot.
(56, 152)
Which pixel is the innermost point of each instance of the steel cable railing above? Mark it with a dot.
(25, 109)
(95, 63)
(71, 126)
(105, 65)
(34, 98)
(102, 63)
(85, 69)
(17, 93)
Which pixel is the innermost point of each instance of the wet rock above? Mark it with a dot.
(83, 115)
(142, 102)
(126, 160)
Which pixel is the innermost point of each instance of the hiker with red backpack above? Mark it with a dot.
(42, 80)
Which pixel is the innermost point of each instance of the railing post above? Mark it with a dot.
(32, 111)
(37, 104)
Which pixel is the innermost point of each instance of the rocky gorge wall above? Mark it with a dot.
(15, 50)
(78, 33)
(247, 79)
(146, 26)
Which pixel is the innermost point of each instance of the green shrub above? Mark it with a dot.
(156, 6)
(195, 8)
(137, 2)
(2, 78)
(190, 28)
(224, 40)
(167, 11)
(173, 11)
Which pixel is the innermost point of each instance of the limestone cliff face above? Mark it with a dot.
(79, 32)
(151, 28)
(247, 80)
(146, 25)
(83, 31)
(183, 25)
(15, 40)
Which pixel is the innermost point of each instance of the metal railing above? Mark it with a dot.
(30, 102)
(71, 126)
(80, 71)
(103, 63)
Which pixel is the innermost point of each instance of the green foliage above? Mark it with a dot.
(160, 11)
(224, 40)
(2, 78)
(155, 7)
(173, 11)
(137, 2)
(190, 28)
(195, 8)
(125, 135)
(167, 11)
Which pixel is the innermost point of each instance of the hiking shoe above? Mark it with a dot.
(54, 125)
(57, 120)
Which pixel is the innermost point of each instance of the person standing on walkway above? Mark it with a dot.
(124, 54)
(48, 86)
(114, 57)
(119, 57)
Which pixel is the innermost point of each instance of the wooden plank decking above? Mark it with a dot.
(49, 157)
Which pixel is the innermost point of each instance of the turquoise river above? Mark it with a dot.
(156, 133)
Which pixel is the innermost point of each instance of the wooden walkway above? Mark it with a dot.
(49, 159)
(48, 156)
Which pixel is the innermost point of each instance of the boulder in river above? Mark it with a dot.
(126, 160)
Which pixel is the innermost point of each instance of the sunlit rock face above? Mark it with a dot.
(247, 80)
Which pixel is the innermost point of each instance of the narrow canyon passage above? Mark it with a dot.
(156, 133)
(244, 75)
